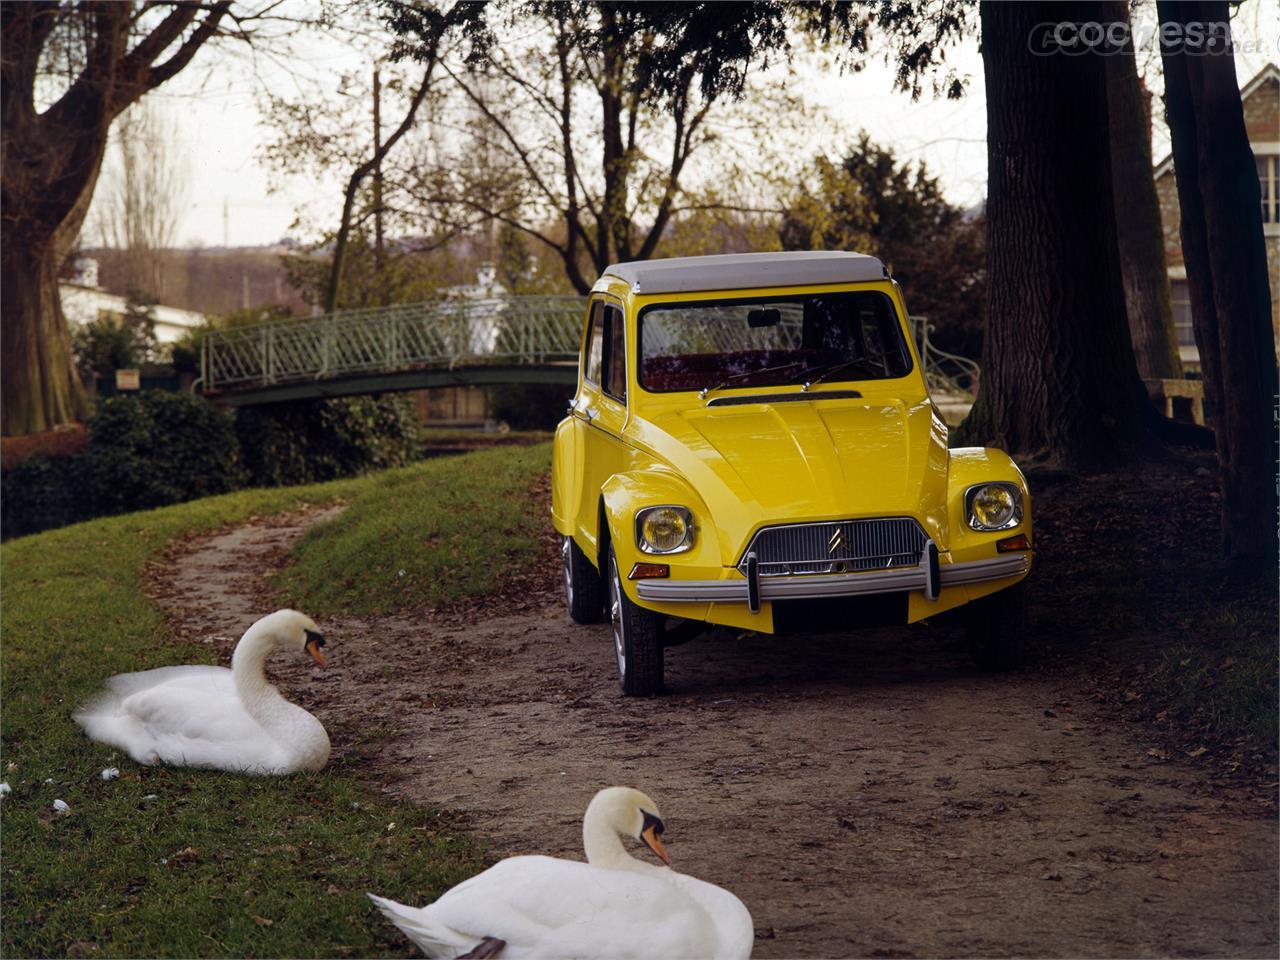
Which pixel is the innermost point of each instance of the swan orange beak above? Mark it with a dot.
(651, 840)
(313, 648)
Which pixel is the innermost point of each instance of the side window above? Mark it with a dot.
(595, 344)
(615, 357)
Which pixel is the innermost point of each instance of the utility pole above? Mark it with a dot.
(379, 251)
(226, 228)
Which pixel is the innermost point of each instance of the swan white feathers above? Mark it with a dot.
(201, 716)
(612, 906)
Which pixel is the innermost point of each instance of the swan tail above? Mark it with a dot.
(104, 719)
(431, 939)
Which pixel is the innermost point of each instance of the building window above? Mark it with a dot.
(1270, 190)
(1181, 295)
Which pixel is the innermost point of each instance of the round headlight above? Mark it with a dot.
(994, 506)
(664, 529)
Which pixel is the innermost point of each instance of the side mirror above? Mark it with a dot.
(769, 317)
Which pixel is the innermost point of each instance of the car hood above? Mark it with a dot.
(767, 463)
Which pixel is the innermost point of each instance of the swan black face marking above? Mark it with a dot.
(650, 835)
(652, 821)
(314, 637)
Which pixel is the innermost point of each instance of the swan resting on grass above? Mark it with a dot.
(201, 716)
(612, 906)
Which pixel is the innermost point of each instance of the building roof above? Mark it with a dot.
(742, 271)
(1269, 72)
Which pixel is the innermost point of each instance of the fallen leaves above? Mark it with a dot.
(185, 855)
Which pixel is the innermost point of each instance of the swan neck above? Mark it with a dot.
(248, 669)
(602, 844)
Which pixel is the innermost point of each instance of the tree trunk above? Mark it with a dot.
(48, 170)
(1059, 381)
(1225, 254)
(381, 148)
(611, 231)
(41, 388)
(1148, 301)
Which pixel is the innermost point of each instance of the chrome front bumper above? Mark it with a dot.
(839, 585)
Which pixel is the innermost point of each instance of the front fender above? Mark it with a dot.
(626, 493)
(965, 467)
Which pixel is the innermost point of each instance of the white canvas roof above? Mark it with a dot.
(741, 271)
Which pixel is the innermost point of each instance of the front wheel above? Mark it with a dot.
(997, 629)
(637, 639)
(583, 586)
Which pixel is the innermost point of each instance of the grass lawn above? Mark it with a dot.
(171, 862)
(437, 533)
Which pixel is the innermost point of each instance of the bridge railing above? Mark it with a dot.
(447, 333)
(522, 330)
(945, 372)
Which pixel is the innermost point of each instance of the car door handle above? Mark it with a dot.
(583, 415)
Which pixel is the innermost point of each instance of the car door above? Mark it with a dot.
(600, 408)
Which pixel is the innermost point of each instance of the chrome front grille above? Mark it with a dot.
(839, 546)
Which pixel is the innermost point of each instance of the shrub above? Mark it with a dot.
(307, 441)
(145, 450)
(40, 493)
(158, 448)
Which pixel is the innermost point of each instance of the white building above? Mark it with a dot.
(84, 301)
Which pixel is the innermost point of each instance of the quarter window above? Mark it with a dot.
(615, 355)
(595, 344)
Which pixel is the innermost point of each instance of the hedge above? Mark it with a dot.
(156, 448)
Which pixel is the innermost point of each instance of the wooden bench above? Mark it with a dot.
(1178, 399)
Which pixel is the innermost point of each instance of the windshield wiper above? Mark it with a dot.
(822, 371)
(702, 394)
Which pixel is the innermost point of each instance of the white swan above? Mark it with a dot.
(612, 906)
(198, 716)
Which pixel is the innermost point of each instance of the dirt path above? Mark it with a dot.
(867, 796)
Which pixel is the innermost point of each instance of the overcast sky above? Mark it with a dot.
(216, 112)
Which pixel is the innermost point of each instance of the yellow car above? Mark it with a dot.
(752, 444)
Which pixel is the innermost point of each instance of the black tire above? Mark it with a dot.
(584, 588)
(997, 629)
(637, 639)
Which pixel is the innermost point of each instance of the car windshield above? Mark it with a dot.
(709, 345)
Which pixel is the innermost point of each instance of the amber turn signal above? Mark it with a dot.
(1020, 542)
(649, 571)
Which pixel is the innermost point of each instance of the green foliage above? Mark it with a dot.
(174, 862)
(875, 204)
(305, 441)
(105, 345)
(112, 341)
(440, 531)
(157, 448)
(40, 493)
(145, 450)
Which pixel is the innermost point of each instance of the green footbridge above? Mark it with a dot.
(438, 343)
